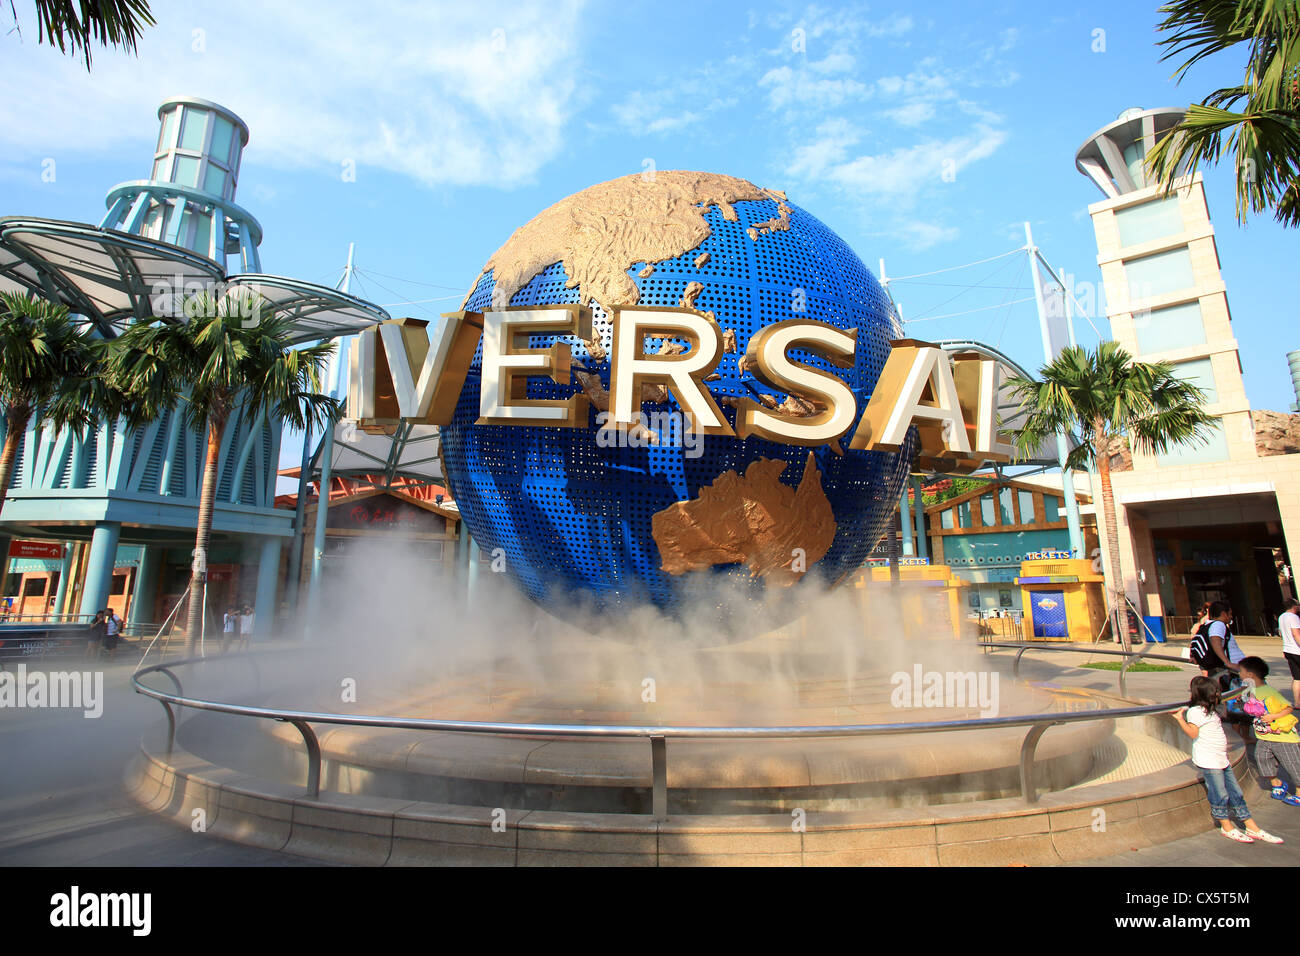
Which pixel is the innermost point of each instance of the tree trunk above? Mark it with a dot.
(18, 420)
(207, 498)
(1118, 619)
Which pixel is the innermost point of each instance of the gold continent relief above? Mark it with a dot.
(754, 519)
(602, 231)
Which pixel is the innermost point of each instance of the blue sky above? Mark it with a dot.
(464, 120)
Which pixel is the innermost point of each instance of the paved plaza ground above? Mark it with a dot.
(63, 801)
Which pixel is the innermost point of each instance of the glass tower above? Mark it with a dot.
(189, 201)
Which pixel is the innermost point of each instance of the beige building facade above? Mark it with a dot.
(1218, 520)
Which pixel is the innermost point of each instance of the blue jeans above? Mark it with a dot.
(1226, 799)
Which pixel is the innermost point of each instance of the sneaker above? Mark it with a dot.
(1235, 834)
(1264, 836)
(1280, 793)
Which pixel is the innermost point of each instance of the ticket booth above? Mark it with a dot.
(930, 594)
(1063, 597)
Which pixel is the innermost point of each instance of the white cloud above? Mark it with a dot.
(902, 174)
(917, 235)
(445, 93)
(911, 114)
(787, 86)
(642, 112)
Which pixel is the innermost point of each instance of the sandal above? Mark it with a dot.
(1235, 834)
(1264, 836)
(1280, 793)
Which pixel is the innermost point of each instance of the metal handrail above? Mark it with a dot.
(1133, 657)
(657, 734)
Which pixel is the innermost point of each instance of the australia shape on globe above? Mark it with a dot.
(776, 530)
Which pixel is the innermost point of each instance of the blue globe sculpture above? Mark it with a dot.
(571, 521)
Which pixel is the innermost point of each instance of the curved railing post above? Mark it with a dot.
(171, 726)
(174, 679)
(1027, 750)
(1015, 671)
(1130, 659)
(659, 778)
(313, 756)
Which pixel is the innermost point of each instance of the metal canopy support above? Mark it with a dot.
(1062, 445)
(905, 521)
(922, 547)
(322, 516)
(326, 454)
(293, 581)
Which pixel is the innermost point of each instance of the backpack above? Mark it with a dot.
(1200, 649)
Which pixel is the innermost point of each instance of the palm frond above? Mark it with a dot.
(73, 26)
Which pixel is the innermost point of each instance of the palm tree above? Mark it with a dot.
(46, 361)
(1099, 398)
(1264, 134)
(228, 357)
(73, 24)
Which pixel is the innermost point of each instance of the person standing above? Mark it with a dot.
(112, 631)
(95, 635)
(229, 626)
(1220, 636)
(1203, 617)
(245, 627)
(1210, 756)
(1288, 626)
(1277, 745)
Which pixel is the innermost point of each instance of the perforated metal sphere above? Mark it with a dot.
(572, 519)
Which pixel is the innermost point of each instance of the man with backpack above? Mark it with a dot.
(1204, 652)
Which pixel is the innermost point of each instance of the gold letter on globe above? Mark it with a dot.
(683, 374)
(766, 354)
(916, 385)
(508, 364)
(410, 376)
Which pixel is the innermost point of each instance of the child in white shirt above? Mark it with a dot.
(1210, 755)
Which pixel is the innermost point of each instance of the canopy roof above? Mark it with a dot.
(411, 451)
(111, 277)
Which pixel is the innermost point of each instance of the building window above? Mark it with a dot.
(1004, 506)
(945, 519)
(1027, 515)
(187, 171)
(1160, 274)
(963, 515)
(1149, 221)
(168, 128)
(986, 511)
(1051, 508)
(193, 130)
(1200, 373)
(222, 135)
(1215, 449)
(215, 181)
(1163, 330)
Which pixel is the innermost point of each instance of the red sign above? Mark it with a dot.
(221, 572)
(36, 549)
(384, 513)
